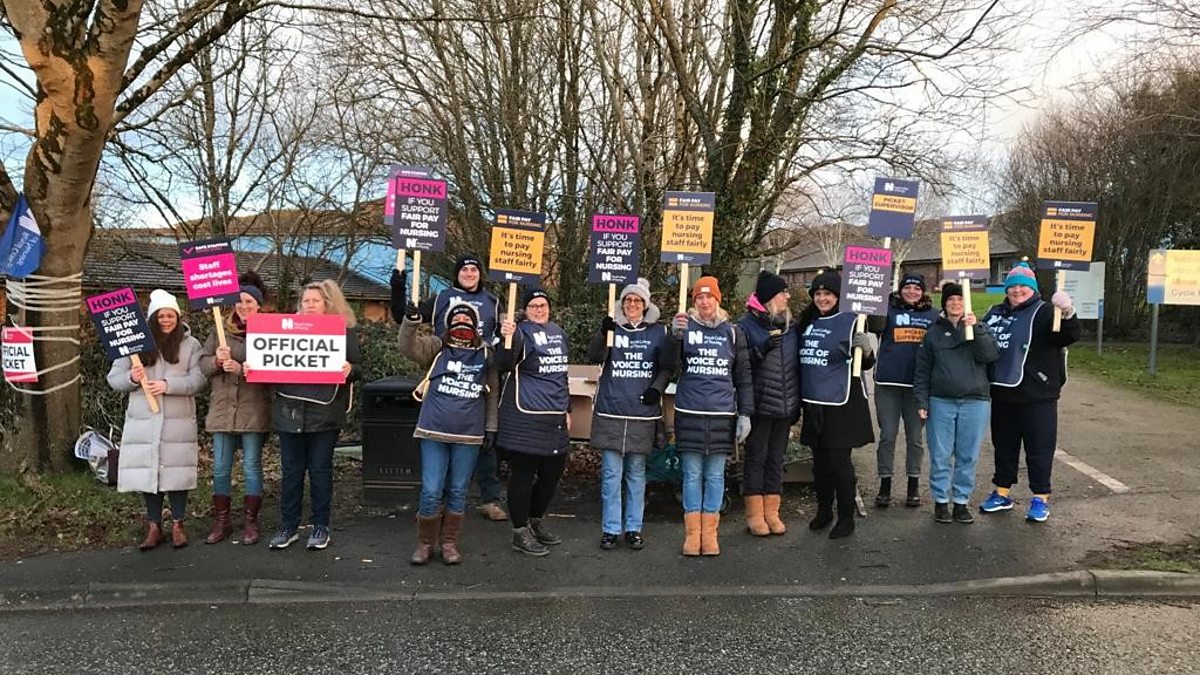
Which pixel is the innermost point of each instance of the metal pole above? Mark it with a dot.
(1154, 341)
(1100, 330)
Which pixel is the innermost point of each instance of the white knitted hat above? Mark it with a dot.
(160, 299)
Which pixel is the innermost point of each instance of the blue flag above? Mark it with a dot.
(22, 246)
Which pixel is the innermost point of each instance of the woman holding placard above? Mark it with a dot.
(239, 415)
(951, 384)
(628, 407)
(308, 418)
(535, 419)
(837, 418)
(714, 400)
(457, 420)
(159, 450)
(1027, 379)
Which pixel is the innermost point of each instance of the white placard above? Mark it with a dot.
(1086, 288)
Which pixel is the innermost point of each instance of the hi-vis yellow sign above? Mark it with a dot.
(1068, 230)
(965, 252)
(687, 227)
(518, 241)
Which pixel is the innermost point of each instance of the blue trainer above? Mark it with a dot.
(996, 502)
(319, 538)
(1038, 511)
(285, 537)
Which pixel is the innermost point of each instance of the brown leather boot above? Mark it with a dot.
(451, 528)
(154, 536)
(709, 523)
(691, 526)
(179, 537)
(771, 514)
(251, 505)
(754, 516)
(427, 536)
(222, 527)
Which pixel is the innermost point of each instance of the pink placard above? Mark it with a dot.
(295, 348)
(19, 363)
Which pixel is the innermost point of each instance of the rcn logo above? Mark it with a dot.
(454, 366)
(856, 307)
(903, 320)
(606, 276)
(621, 341)
(889, 187)
(411, 242)
(695, 337)
(540, 338)
(287, 324)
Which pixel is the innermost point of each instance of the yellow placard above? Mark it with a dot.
(965, 251)
(688, 232)
(894, 203)
(1182, 278)
(516, 250)
(1066, 239)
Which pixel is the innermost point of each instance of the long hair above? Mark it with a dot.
(335, 301)
(167, 343)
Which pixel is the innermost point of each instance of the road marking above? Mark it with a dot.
(1093, 473)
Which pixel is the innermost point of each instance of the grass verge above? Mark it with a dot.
(1125, 365)
(1157, 556)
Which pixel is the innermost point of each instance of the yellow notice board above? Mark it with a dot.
(1174, 278)
(518, 243)
(965, 253)
(687, 228)
(1067, 233)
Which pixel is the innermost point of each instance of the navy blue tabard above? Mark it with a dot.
(896, 362)
(706, 385)
(1013, 333)
(454, 401)
(542, 385)
(629, 371)
(825, 368)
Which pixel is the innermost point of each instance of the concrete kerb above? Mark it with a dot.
(1087, 584)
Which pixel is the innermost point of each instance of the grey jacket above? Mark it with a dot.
(158, 450)
(948, 366)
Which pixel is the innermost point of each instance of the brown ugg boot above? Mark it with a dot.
(754, 516)
(251, 505)
(771, 514)
(179, 537)
(452, 524)
(222, 527)
(709, 524)
(427, 536)
(691, 526)
(154, 536)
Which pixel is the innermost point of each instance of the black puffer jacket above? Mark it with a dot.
(776, 372)
(710, 434)
(307, 408)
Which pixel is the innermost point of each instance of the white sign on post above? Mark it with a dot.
(1086, 288)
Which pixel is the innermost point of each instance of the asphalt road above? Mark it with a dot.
(680, 635)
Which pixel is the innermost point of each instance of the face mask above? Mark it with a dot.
(461, 335)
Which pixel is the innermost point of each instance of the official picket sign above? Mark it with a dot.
(893, 208)
(416, 209)
(295, 348)
(687, 227)
(867, 279)
(17, 348)
(1067, 233)
(1174, 277)
(120, 323)
(518, 238)
(209, 273)
(965, 252)
(615, 250)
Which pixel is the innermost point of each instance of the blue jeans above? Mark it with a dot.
(703, 482)
(616, 471)
(306, 453)
(487, 478)
(439, 460)
(955, 431)
(224, 446)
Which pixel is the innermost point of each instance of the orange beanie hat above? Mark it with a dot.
(707, 285)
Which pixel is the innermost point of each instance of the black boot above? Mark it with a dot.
(941, 513)
(844, 480)
(538, 528)
(914, 493)
(823, 483)
(524, 541)
(884, 498)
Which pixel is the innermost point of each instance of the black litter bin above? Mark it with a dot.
(391, 456)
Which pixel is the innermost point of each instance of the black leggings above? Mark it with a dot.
(154, 504)
(833, 476)
(762, 468)
(532, 482)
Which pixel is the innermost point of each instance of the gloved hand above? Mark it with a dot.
(775, 340)
(489, 441)
(412, 312)
(863, 342)
(399, 286)
(679, 324)
(1061, 300)
(743, 428)
(607, 324)
(651, 396)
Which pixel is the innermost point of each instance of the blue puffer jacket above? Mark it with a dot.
(776, 372)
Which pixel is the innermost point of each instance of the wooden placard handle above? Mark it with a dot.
(512, 310)
(415, 292)
(612, 311)
(219, 325)
(1059, 282)
(969, 331)
(684, 276)
(400, 260)
(860, 325)
(136, 359)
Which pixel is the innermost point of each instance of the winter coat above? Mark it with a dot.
(423, 349)
(842, 426)
(950, 366)
(158, 450)
(235, 405)
(711, 434)
(1045, 370)
(776, 372)
(631, 436)
(309, 408)
(524, 432)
